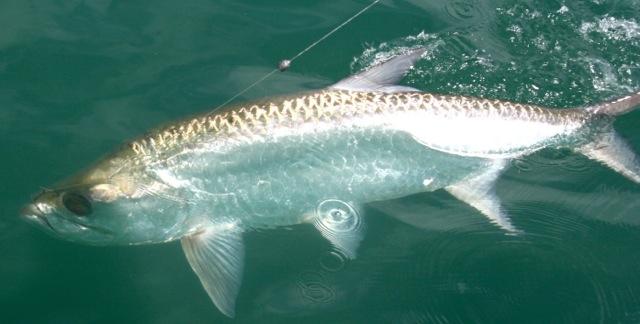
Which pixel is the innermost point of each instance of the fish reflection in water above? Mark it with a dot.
(314, 289)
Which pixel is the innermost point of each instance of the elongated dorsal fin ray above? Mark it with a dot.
(478, 191)
(216, 255)
(341, 223)
(613, 151)
(384, 76)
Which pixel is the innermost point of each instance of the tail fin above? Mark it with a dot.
(611, 149)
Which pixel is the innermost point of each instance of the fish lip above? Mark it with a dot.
(31, 210)
(98, 229)
(33, 213)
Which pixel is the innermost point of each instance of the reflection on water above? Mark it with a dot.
(451, 264)
(77, 78)
(563, 159)
(439, 276)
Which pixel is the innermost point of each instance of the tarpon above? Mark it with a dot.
(314, 157)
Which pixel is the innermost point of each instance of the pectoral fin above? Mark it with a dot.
(216, 255)
(341, 223)
(478, 191)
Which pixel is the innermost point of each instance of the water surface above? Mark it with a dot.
(77, 78)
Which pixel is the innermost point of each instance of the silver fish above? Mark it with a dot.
(313, 157)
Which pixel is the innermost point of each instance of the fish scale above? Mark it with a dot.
(253, 121)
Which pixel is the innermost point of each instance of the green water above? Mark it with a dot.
(77, 78)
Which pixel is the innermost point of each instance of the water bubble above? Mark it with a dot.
(338, 216)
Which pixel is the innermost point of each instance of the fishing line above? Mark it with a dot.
(285, 64)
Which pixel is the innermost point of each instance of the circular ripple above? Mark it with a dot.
(332, 261)
(553, 158)
(569, 161)
(461, 9)
(549, 219)
(337, 216)
(313, 287)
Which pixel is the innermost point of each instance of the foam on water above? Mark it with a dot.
(612, 28)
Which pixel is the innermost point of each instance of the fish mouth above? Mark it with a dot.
(94, 228)
(34, 214)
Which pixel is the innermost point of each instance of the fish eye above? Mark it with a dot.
(77, 204)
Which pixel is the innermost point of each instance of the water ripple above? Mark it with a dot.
(562, 159)
(461, 9)
(454, 269)
(332, 261)
(549, 220)
(314, 288)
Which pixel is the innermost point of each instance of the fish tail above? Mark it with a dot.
(609, 148)
(617, 107)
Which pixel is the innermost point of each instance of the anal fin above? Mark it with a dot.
(614, 152)
(478, 192)
(216, 255)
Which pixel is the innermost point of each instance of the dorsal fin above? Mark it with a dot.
(384, 76)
